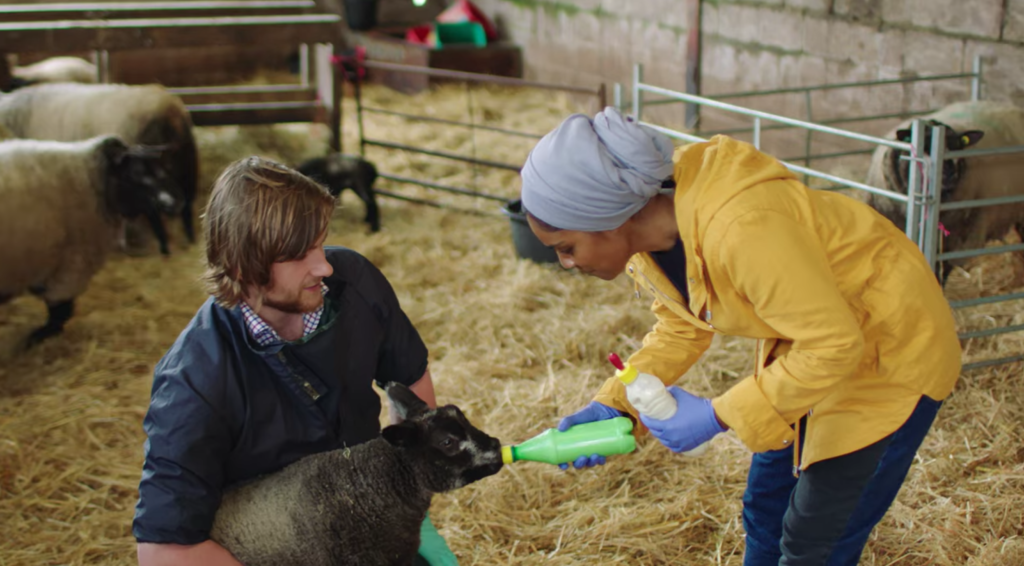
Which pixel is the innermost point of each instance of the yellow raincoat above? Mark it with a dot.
(852, 326)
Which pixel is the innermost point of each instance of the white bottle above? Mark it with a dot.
(648, 395)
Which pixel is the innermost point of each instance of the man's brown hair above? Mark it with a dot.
(260, 212)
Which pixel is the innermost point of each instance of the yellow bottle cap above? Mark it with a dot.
(506, 454)
(627, 375)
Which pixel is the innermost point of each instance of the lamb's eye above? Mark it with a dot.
(447, 443)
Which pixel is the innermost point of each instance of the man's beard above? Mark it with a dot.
(293, 306)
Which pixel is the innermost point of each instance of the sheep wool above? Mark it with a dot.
(57, 70)
(361, 506)
(140, 115)
(984, 177)
(285, 518)
(55, 225)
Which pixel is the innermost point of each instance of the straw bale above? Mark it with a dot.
(517, 345)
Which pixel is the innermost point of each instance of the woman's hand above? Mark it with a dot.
(693, 424)
(593, 412)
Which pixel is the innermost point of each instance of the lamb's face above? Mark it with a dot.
(461, 451)
(952, 169)
(448, 451)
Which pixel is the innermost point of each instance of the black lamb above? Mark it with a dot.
(339, 172)
(359, 506)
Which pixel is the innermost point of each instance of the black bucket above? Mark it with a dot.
(527, 245)
(361, 15)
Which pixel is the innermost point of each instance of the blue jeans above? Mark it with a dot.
(824, 517)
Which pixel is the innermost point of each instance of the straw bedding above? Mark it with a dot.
(516, 345)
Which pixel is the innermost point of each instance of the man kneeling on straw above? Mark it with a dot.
(858, 346)
(278, 364)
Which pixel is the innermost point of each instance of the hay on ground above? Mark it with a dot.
(516, 345)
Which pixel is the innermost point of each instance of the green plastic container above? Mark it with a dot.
(460, 33)
(607, 438)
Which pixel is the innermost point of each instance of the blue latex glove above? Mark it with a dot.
(433, 548)
(594, 411)
(693, 424)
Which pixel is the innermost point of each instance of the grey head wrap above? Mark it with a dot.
(592, 175)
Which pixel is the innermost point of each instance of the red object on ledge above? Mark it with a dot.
(419, 35)
(466, 11)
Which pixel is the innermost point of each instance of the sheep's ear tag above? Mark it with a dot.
(903, 136)
(972, 137)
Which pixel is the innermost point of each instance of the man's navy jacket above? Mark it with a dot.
(225, 410)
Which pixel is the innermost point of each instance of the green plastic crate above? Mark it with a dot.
(460, 32)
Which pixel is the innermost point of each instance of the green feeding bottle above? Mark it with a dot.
(607, 437)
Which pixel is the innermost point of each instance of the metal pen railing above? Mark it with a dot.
(461, 76)
(931, 235)
(923, 198)
(639, 88)
(808, 157)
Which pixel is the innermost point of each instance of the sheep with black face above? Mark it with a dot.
(63, 204)
(145, 114)
(969, 125)
(360, 506)
(339, 172)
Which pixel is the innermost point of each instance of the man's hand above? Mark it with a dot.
(594, 411)
(207, 553)
(693, 424)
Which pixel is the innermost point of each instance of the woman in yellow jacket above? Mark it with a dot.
(856, 343)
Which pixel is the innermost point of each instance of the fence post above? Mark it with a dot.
(638, 75)
(914, 181)
(808, 137)
(976, 79)
(101, 58)
(757, 133)
(304, 64)
(325, 88)
(617, 96)
(933, 196)
(357, 85)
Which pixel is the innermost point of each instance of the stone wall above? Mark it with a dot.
(770, 44)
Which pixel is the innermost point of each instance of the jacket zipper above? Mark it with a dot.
(305, 385)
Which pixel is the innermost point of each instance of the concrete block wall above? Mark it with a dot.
(768, 44)
(586, 42)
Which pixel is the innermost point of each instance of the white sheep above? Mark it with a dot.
(55, 70)
(63, 203)
(146, 115)
(973, 125)
(360, 506)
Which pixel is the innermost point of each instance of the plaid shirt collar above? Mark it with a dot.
(265, 336)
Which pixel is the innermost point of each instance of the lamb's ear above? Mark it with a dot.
(405, 402)
(402, 435)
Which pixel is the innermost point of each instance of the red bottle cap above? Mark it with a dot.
(614, 359)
